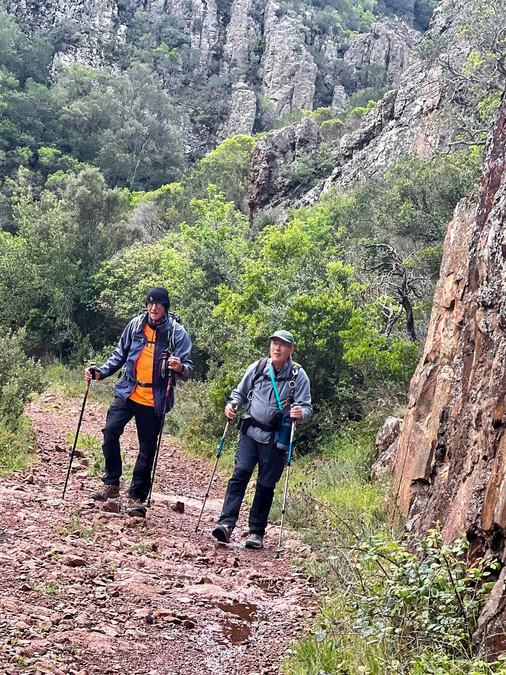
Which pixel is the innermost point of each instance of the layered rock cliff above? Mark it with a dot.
(451, 460)
(450, 456)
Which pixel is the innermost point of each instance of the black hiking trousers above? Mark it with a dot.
(148, 427)
(271, 462)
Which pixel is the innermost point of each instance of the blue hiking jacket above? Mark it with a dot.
(169, 334)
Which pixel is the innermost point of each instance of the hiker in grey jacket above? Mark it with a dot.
(274, 392)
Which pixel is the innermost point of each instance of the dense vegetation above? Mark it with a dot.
(135, 123)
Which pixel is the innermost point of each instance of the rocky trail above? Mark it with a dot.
(85, 589)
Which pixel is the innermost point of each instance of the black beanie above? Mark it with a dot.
(158, 294)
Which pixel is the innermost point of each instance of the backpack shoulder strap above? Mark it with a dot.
(137, 324)
(260, 367)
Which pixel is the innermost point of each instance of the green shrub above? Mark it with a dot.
(402, 608)
(17, 445)
(19, 377)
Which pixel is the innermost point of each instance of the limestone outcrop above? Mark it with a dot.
(267, 55)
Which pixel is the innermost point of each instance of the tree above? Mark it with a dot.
(63, 234)
(123, 123)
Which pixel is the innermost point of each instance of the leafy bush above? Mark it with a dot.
(17, 443)
(19, 377)
(401, 608)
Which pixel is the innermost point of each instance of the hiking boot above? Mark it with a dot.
(254, 541)
(107, 492)
(222, 533)
(136, 508)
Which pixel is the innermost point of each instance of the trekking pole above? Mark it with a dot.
(170, 384)
(77, 432)
(285, 492)
(219, 450)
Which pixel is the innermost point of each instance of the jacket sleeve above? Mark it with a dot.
(303, 395)
(239, 395)
(183, 349)
(119, 355)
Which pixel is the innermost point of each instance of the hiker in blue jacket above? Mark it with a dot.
(274, 392)
(153, 348)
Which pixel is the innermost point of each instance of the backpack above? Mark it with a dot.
(260, 367)
(171, 338)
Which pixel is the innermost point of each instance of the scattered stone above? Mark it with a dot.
(94, 594)
(162, 612)
(111, 506)
(74, 561)
(21, 625)
(36, 647)
(203, 580)
(178, 507)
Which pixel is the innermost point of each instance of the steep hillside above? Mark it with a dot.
(236, 66)
(443, 100)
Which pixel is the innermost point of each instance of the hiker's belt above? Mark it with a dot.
(143, 384)
(264, 427)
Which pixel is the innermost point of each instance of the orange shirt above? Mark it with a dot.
(144, 370)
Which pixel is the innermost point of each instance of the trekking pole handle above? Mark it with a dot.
(219, 449)
(290, 444)
(92, 369)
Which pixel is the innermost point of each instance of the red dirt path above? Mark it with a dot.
(84, 591)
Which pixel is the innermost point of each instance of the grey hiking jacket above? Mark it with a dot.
(263, 405)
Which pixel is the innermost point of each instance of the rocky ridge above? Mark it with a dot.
(411, 118)
(259, 48)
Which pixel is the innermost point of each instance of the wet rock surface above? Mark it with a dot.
(88, 589)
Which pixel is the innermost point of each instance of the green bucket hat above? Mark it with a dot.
(284, 335)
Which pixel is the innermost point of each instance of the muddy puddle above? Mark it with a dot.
(242, 617)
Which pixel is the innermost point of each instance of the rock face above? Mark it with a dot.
(278, 149)
(451, 460)
(289, 71)
(243, 108)
(410, 118)
(386, 445)
(268, 56)
(388, 46)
